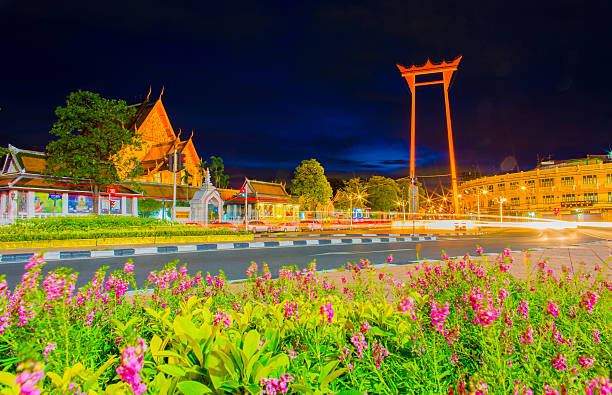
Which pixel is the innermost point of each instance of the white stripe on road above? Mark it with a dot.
(361, 252)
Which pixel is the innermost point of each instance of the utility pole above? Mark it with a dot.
(246, 209)
(174, 189)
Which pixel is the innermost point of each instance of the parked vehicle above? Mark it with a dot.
(258, 226)
(285, 227)
(310, 225)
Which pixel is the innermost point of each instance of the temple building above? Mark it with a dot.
(267, 201)
(152, 124)
(26, 192)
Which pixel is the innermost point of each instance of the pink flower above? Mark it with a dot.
(292, 354)
(406, 306)
(589, 299)
(29, 377)
(552, 309)
(327, 312)
(390, 259)
(438, 315)
(35, 261)
(128, 267)
(50, 347)
(527, 337)
(273, 386)
(131, 365)
(365, 327)
(379, 353)
(360, 343)
(479, 250)
(523, 309)
(599, 385)
(560, 362)
(251, 270)
(222, 318)
(291, 310)
(586, 362)
(596, 336)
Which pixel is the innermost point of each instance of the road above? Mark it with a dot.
(234, 262)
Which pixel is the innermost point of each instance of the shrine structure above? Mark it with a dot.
(409, 73)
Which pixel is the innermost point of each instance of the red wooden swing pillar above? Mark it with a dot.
(447, 70)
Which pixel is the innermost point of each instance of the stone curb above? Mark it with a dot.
(63, 255)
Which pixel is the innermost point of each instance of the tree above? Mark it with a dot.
(217, 168)
(91, 134)
(383, 193)
(354, 194)
(310, 184)
(404, 194)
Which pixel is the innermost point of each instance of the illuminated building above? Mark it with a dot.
(266, 201)
(26, 192)
(575, 188)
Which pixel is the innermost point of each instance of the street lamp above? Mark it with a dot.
(501, 211)
(403, 204)
(484, 192)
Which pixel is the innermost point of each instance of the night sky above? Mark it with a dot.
(265, 85)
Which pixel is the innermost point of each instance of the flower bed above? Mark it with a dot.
(461, 326)
(101, 226)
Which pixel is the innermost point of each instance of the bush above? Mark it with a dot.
(101, 226)
(463, 325)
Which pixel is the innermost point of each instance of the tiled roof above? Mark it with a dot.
(56, 185)
(33, 164)
(268, 188)
(165, 191)
(142, 111)
(227, 194)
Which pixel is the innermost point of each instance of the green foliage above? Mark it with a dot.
(382, 193)
(90, 131)
(310, 184)
(353, 194)
(148, 207)
(217, 168)
(457, 326)
(101, 226)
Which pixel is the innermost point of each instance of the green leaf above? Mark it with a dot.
(7, 379)
(326, 369)
(172, 370)
(193, 388)
(251, 343)
(333, 375)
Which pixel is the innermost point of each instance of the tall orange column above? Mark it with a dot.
(451, 148)
(411, 81)
(409, 73)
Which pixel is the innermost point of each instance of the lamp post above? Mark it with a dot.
(501, 210)
(484, 192)
(403, 204)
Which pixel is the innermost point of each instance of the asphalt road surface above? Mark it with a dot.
(235, 262)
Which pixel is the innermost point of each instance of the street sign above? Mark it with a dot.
(111, 190)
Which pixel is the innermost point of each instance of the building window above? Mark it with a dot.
(609, 180)
(567, 181)
(590, 179)
(547, 182)
(548, 199)
(530, 183)
(501, 187)
(590, 197)
(514, 185)
(531, 200)
(491, 203)
(515, 201)
(490, 188)
(568, 197)
(609, 196)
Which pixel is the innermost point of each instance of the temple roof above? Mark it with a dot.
(142, 111)
(268, 188)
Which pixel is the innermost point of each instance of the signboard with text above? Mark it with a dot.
(47, 203)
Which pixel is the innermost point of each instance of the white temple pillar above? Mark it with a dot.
(64, 203)
(30, 204)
